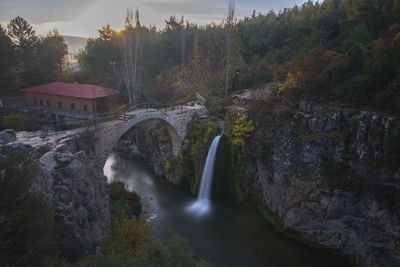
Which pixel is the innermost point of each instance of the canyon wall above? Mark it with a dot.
(329, 177)
(72, 185)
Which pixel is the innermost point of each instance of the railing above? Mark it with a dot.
(160, 106)
(164, 108)
(120, 113)
(28, 115)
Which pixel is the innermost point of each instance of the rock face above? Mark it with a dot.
(7, 136)
(73, 185)
(327, 177)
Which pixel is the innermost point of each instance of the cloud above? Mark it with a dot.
(42, 11)
(85, 17)
(187, 7)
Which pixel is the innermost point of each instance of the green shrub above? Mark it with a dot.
(122, 202)
(396, 105)
(116, 189)
(26, 222)
(380, 101)
(391, 144)
(354, 121)
(201, 135)
(54, 261)
(134, 231)
(174, 252)
(132, 241)
(13, 121)
(354, 89)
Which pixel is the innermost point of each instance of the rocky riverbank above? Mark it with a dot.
(71, 183)
(329, 176)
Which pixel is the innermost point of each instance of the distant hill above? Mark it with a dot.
(75, 43)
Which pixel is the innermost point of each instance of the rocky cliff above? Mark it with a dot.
(71, 183)
(327, 175)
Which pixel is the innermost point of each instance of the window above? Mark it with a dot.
(35, 101)
(48, 103)
(85, 108)
(41, 102)
(59, 104)
(72, 106)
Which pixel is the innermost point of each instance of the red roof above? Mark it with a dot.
(72, 89)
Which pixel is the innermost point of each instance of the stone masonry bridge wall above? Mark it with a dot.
(176, 123)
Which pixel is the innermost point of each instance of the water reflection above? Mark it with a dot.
(226, 236)
(135, 178)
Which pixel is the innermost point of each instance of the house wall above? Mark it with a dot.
(66, 101)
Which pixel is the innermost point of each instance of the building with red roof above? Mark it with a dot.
(70, 99)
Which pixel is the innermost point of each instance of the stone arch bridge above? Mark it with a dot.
(175, 121)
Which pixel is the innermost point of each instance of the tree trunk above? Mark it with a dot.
(183, 42)
(229, 22)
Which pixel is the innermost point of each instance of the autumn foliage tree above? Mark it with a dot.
(333, 50)
(241, 130)
(135, 231)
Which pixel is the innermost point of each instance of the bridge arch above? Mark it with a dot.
(109, 133)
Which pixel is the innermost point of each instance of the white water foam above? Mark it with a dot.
(202, 205)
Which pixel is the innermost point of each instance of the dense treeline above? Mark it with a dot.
(170, 64)
(347, 51)
(26, 58)
(336, 50)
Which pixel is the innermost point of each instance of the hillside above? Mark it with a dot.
(75, 43)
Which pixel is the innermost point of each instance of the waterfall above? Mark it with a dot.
(202, 204)
(206, 179)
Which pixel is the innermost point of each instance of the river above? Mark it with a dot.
(226, 236)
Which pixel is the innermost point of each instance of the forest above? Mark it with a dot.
(339, 52)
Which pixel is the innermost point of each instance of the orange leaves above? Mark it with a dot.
(395, 28)
(135, 231)
(314, 68)
(281, 71)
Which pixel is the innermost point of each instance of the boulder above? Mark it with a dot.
(7, 136)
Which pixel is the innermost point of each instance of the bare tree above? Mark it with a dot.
(183, 41)
(128, 55)
(196, 52)
(137, 40)
(208, 50)
(229, 25)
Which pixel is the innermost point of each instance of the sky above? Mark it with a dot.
(85, 17)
